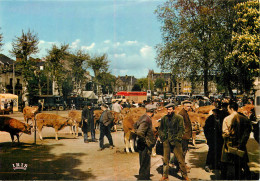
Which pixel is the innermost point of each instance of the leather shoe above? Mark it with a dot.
(100, 149)
(207, 168)
(86, 141)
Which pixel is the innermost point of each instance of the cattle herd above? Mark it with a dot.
(127, 118)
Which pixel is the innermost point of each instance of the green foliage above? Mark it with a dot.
(107, 81)
(159, 83)
(98, 64)
(246, 37)
(143, 83)
(56, 63)
(136, 87)
(22, 48)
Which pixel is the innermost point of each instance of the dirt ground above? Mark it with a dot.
(70, 158)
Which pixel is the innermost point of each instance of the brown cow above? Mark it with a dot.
(29, 113)
(205, 109)
(14, 127)
(51, 120)
(246, 110)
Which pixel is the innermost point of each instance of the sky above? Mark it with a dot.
(126, 30)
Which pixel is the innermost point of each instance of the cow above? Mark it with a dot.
(205, 109)
(75, 117)
(246, 110)
(14, 127)
(29, 113)
(51, 120)
(117, 118)
(128, 125)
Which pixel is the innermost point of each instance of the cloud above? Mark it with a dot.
(74, 45)
(107, 41)
(131, 42)
(146, 51)
(88, 47)
(119, 55)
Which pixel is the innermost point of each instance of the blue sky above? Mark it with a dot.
(126, 30)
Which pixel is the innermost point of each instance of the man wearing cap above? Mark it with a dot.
(188, 131)
(171, 131)
(88, 122)
(146, 140)
(213, 134)
(105, 121)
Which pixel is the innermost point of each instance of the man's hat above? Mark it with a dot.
(186, 102)
(105, 105)
(170, 105)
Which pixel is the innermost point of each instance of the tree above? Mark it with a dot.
(76, 62)
(98, 64)
(23, 47)
(136, 87)
(159, 83)
(107, 81)
(143, 82)
(196, 38)
(245, 43)
(57, 64)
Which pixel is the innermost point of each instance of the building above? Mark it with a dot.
(124, 83)
(168, 78)
(179, 86)
(10, 78)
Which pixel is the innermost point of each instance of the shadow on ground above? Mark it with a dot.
(42, 165)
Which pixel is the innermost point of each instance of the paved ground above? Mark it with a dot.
(71, 159)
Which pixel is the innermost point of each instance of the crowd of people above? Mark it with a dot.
(226, 131)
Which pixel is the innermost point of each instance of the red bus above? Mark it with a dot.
(135, 96)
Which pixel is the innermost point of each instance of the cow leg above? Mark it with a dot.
(77, 130)
(56, 134)
(115, 127)
(40, 132)
(132, 145)
(17, 136)
(12, 137)
(126, 144)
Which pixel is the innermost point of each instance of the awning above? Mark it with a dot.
(89, 95)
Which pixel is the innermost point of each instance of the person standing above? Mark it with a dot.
(105, 122)
(236, 131)
(171, 131)
(187, 133)
(213, 134)
(116, 107)
(88, 122)
(146, 140)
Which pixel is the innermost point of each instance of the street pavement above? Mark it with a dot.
(70, 158)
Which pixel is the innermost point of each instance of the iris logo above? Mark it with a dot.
(19, 166)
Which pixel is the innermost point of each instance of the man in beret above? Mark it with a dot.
(171, 131)
(105, 121)
(146, 140)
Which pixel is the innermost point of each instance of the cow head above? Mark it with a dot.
(27, 129)
(70, 122)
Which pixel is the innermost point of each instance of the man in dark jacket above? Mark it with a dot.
(105, 121)
(171, 132)
(146, 140)
(213, 134)
(236, 131)
(88, 122)
(187, 133)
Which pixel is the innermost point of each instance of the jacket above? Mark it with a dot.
(107, 118)
(187, 124)
(144, 131)
(171, 130)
